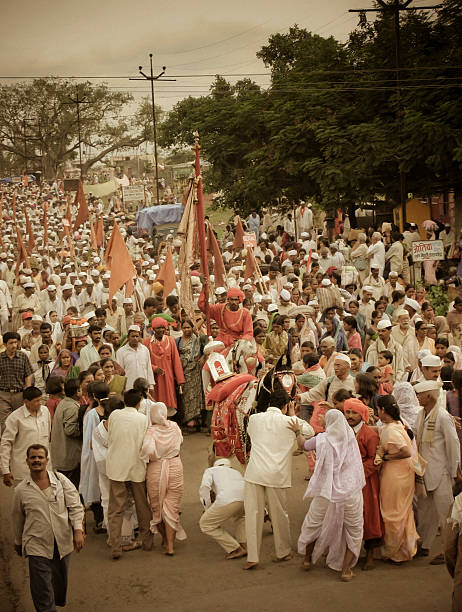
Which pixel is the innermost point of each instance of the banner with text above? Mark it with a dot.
(427, 249)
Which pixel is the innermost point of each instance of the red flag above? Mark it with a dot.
(123, 273)
(100, 232)
(82, 214)
(93, 242)
(108, 252)
(238, 242)
(166, 274)
(68, 212)
(219, 267)
(45, 225)
(250, 264)
(25, 180)
(1, 210)
(308, 261)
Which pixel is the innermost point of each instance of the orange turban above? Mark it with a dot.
(159, 322)
(358, 406)
(234, 292)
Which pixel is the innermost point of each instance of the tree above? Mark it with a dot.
(39, 127)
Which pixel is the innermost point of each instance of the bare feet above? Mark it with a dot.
(306, 564)
(236, 554)
(347, 576)
(282, 559)
(169, 553)
(250, 566)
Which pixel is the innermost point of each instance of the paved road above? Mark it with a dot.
(199, 579)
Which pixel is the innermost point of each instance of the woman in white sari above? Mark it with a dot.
(334, 520)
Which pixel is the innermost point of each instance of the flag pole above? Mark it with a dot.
(200, 216)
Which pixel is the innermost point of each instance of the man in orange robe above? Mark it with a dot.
(357, 415)
(235, 323)
(166, 365)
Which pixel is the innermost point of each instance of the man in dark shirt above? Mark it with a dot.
(15, 375)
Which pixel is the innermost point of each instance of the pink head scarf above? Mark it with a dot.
(163, 438)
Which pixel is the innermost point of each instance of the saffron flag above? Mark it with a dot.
(25, 180)
(68, 212)
(250, 264)
(82, 214)
(166, 275)
(93, 242)
(22, 253)
(30, 233)
(123, 273)
(100, 232)
(238, 242)
(218, 265)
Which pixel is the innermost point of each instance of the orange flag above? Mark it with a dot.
(108, 252)
(45, 225)
(82, 214)
(219, 267)
(25, 180)
(166, 275)
(68, 212)
(123, 273)
(238, 242)
(250, 264)
(93, 242)
(1, 209)
(100, 232)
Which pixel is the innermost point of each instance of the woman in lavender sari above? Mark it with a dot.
(334, 520)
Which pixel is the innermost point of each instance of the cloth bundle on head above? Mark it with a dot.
(357, 406)
(234, 292)
(409, 407)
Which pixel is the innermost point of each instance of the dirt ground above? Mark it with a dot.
(198, 577)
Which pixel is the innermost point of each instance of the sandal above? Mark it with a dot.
(132, 546)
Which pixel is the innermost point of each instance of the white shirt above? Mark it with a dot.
(21, 430)
(126, 429)
(136, 363)
(270, 462)
(88, 356)
(227, 483)
(377, 251)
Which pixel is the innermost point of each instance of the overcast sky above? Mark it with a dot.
(112, 37)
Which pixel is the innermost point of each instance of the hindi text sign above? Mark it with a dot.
(427, 249)
(250, 240)
(133, 193)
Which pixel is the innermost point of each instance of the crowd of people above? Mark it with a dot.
(97, 395)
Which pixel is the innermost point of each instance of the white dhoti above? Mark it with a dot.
(334, 526)
(433, 511)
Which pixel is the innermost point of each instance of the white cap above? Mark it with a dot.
(257, 298)
(342, 357)
(393, 273)
(90, 315)
(431, 361)
(51, 288)
(78, 283)
(264, 236)
(375, 266)
(68, 286)
(304, 235)
(145, 263)
(94, 273)
(412, 303)
(96, 260)
(219, 290)
(247, 286)
(134, 328)
(314, 256)
(368, 288)
(401, 313)
(292, 252)
(107, 275)
(36, 317)
(427, 385)
(228, 244)
(285, 295)
(89, 282)
(28, 285)
(384, 324)
(127, 301)
(272, 307)
(326, 282)
(289, 286)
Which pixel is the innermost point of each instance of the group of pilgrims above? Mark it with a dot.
(361, 380)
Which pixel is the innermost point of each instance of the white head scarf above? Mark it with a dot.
(409, 407)
(455, 350)
(158, 413)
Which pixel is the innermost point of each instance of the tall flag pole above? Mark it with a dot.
(200, 216)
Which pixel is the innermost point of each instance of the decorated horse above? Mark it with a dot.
(238, 396)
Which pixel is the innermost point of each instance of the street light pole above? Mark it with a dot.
(153, 78)
(78, 101)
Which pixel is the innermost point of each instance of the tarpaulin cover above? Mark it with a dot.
(100, 190)
(159, 215)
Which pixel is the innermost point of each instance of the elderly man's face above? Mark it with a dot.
(233, 303)
(367, 295)
(326, 349)
(431, 373)
(341, 368)
(384, 334)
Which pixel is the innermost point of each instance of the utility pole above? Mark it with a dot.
(394, 7)
(153, 78)
(78, 101)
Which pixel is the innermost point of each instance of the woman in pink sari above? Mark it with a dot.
(164, 476)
